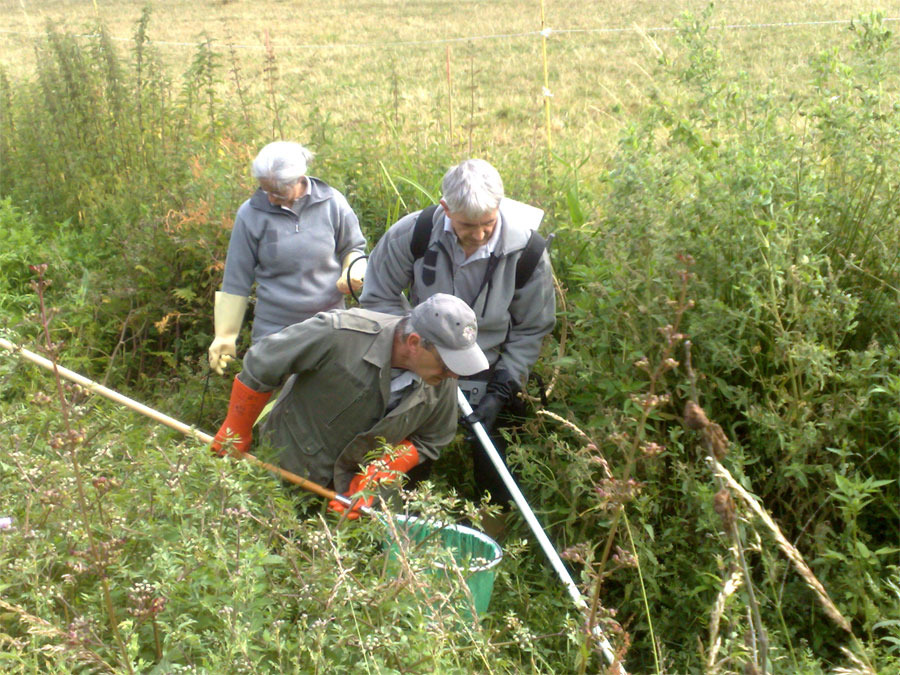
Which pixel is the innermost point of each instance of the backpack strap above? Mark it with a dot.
(529, 259)
(422, 231)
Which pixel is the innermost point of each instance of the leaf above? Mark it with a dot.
(185, 294)
(888, 622)
(575, 213)
(864, 550)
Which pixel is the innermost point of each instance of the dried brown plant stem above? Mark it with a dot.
(760, 641)
(793, 555)
(582, 435)
(119, 343)
(715, 642)
(716, 445)
(649, 402)
(39, 626)
(723, 476)
(787, 548)
(72, 440)
(271, 75)
(236, 77)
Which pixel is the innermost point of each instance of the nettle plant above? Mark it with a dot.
(181, 562)
(777, 199)
(127, 551)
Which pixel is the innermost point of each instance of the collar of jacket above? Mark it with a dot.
(318, 192)
(380, 355)
(381, 349)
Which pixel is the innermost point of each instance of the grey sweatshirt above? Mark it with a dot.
(295, 259)
(511, 323)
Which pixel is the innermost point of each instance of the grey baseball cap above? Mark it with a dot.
(449, 323)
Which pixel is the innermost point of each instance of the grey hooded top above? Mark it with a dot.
(511, 323)
(294, 258)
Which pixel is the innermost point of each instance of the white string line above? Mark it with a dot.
(547, 32)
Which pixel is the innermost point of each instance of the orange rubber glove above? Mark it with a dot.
(400, 460)
(243, 409)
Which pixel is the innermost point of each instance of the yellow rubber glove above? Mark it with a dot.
(229, 314)
(357, 272)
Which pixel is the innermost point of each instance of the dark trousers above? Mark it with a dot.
(487, 478)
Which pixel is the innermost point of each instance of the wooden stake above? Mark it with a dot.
(449, 98)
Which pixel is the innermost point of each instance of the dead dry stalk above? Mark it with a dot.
(789, 550)
(589, 444)
(39, 627)
(716, 446)
(715, 642)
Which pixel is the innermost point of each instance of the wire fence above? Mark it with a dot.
(546, 33)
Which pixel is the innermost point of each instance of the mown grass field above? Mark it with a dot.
(350, 61)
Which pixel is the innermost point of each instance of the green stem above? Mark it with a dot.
(643, 595)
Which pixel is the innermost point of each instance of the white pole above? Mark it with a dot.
(535, 526)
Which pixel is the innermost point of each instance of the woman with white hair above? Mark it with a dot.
(298, 239)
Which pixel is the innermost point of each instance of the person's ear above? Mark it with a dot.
(413, 341)
(445, 207)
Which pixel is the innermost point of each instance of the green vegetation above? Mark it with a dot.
(738, 250)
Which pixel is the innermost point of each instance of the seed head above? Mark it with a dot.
(724, 506)
(717, 441)
(694, 416)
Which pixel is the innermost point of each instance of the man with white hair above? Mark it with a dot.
(484, 249)
(296, 238)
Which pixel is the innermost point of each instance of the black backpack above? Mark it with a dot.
(529, 259)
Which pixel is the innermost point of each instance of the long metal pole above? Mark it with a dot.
(168, 421)
(535, 526)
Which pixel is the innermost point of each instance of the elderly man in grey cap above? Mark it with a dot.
(351, 378)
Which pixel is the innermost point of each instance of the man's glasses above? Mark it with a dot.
(275, 195)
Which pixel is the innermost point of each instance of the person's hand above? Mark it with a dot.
(243, 409)
(357, 263)
(360, 501)
(222, 351)
(488, 409)
(499, 392)
(229, 314)
(387, 469)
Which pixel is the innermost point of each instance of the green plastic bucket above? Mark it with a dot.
(475, 553)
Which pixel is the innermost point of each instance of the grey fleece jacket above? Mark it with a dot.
(511, 323)
(295, 260)
(332, 413)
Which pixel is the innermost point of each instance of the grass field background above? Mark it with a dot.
(472, 73)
